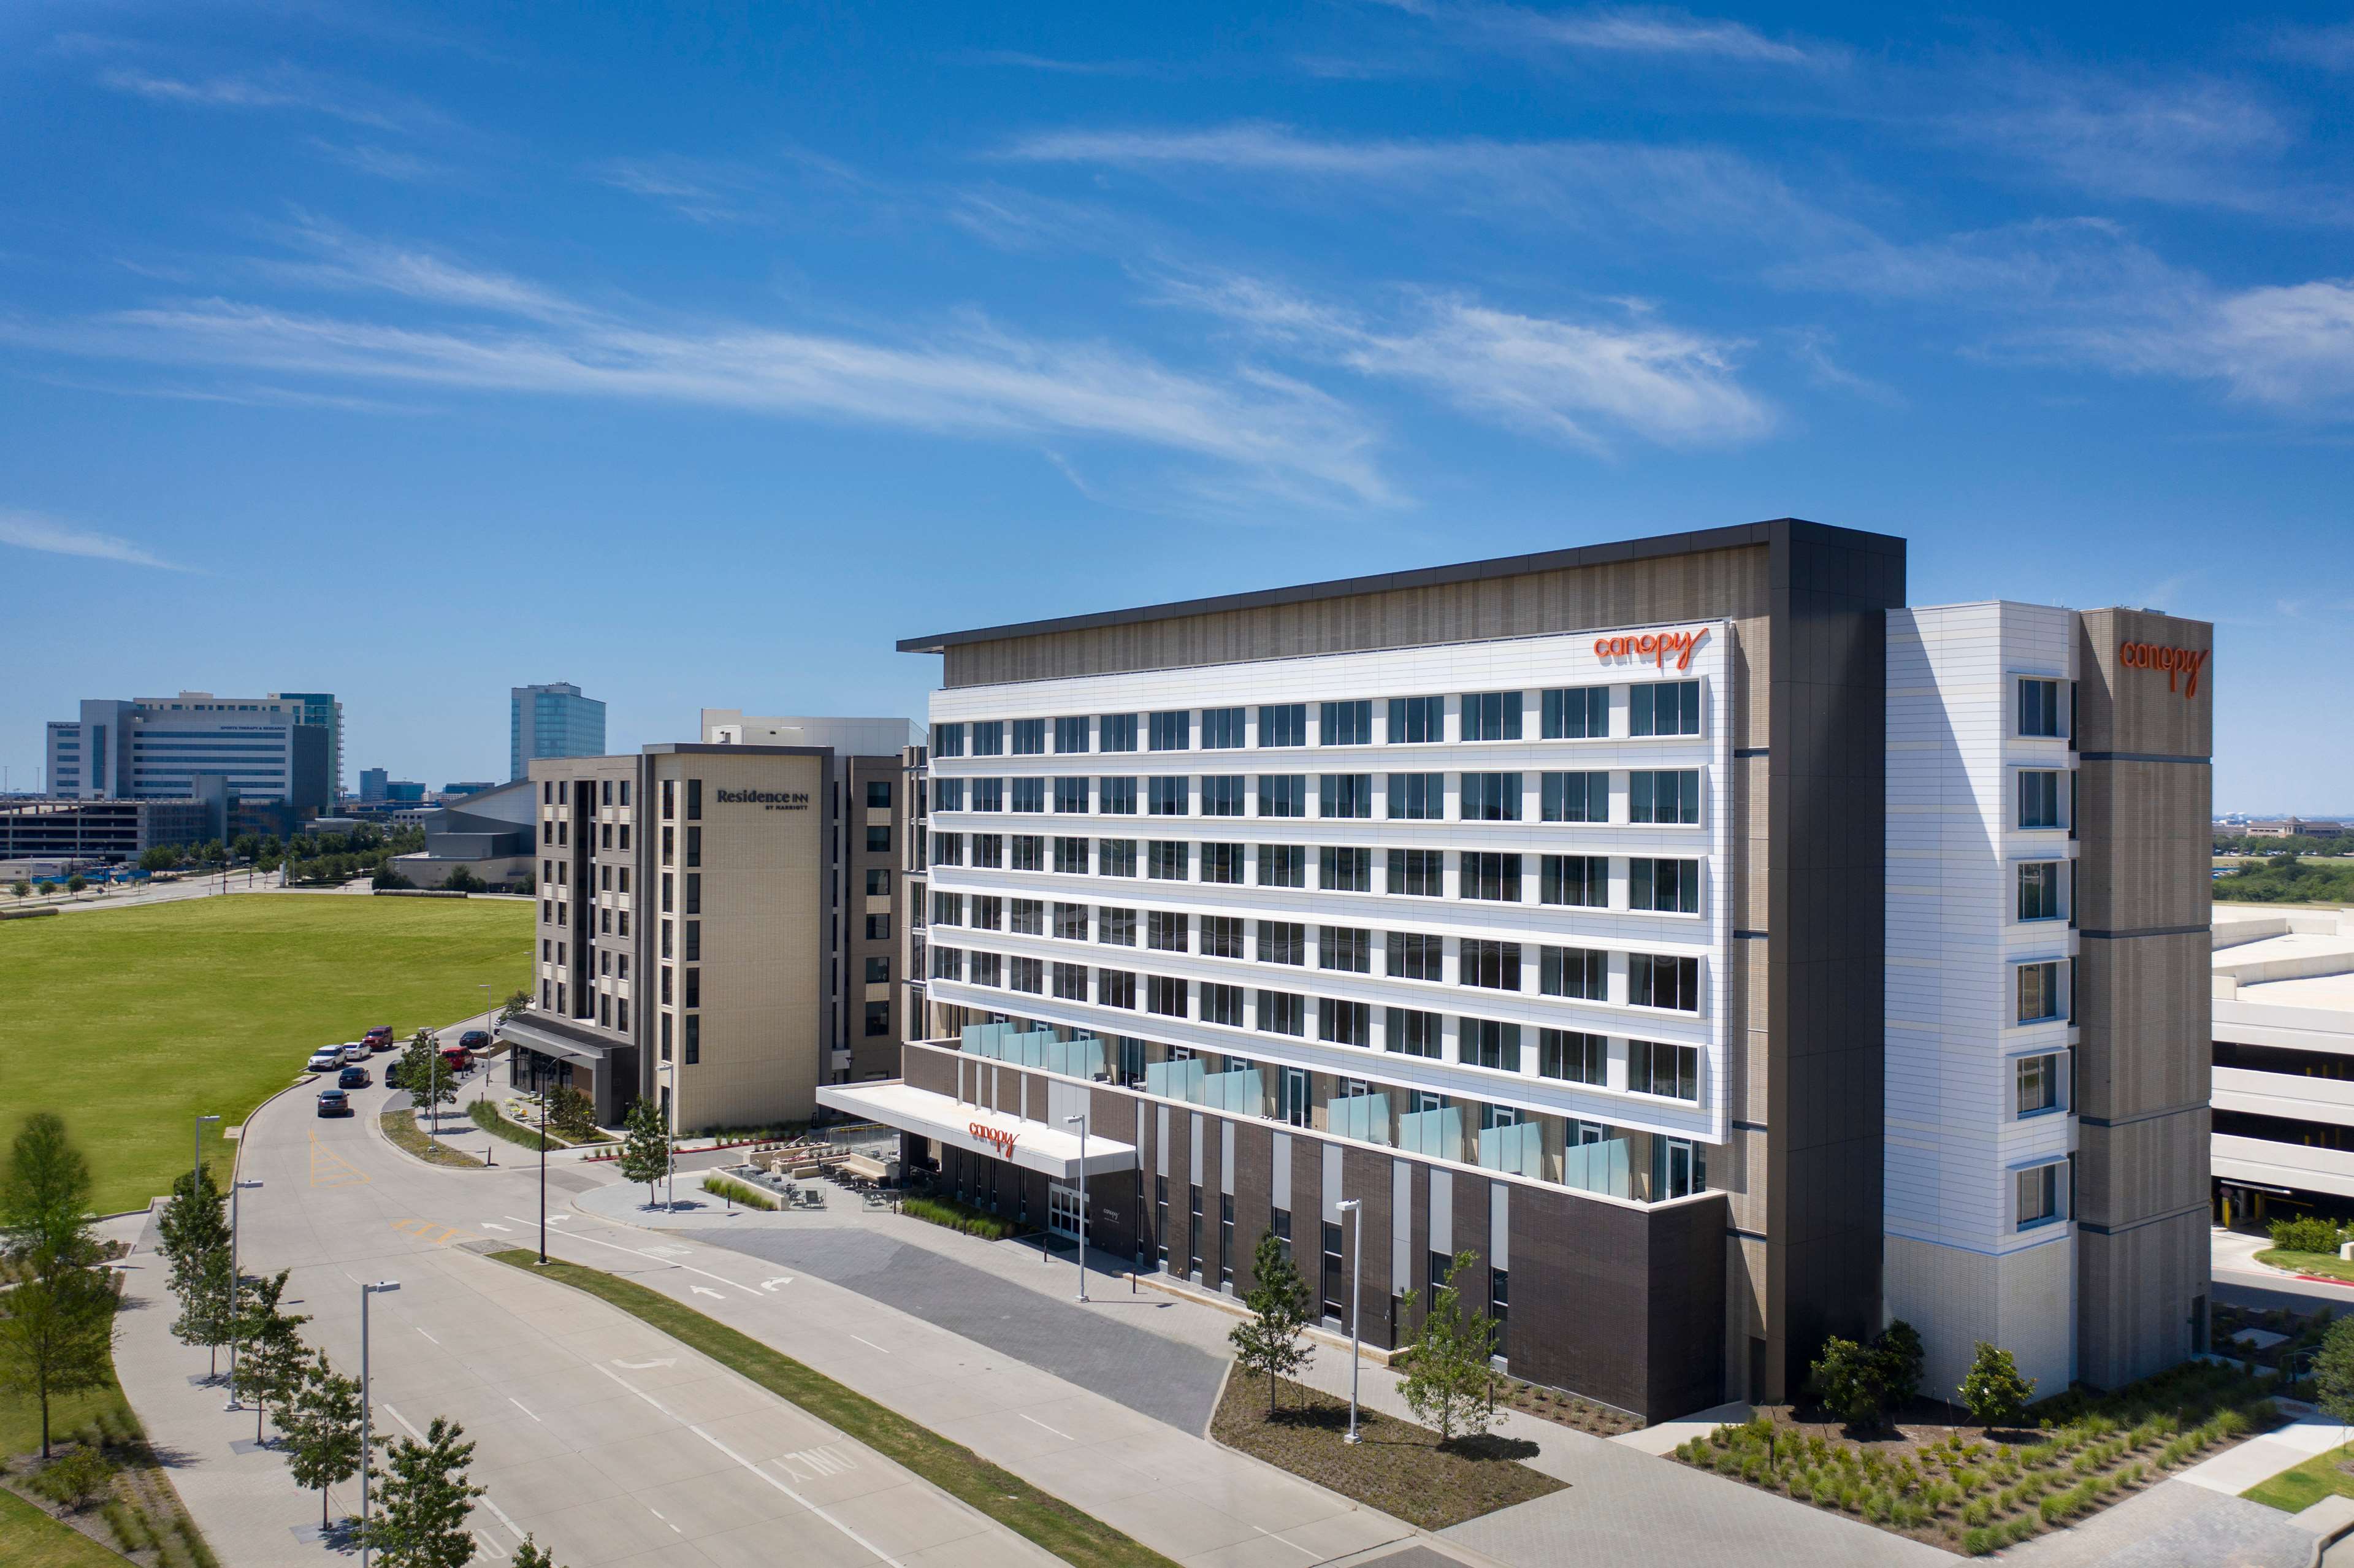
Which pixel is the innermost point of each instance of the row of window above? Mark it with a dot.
(1653, 795)
(1658, 884)
(558, 791)
(1572, 712)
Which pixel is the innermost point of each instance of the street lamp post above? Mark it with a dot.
(1355, 1209)
(1080, 1121)
(434, 1094)
(235, 1187)
(542, 1092)
(196, 1176)
(366, 1452)
(483, 1089)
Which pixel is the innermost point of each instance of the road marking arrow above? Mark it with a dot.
(772, 1284)
(699, 1290)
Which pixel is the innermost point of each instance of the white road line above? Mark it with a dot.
(868, 1343)
(656, 1257)
(502, 1516)
(756, 1469)
(487, 1545)
(658, 1514)
(1035, 1422)
(1293, 1544)
(422, 1331)
(552, 1218)
(519, 1404)
(397, 1415)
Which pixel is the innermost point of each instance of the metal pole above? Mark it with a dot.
(433, 1092)
(542, 1160)
(483, 1089)
(1081, 1121)
(1356, 1305)
(235, 1186)
(367, 1448)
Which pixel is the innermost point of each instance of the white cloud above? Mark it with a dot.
(1621, 29)
(278, 87)
(2289, 346)
(32, 531)
(697, 189)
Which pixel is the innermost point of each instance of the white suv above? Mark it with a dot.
(326, 1059)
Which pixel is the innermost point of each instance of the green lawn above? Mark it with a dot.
(2329, 1265)
(130, 1023)
(31, 1539)
(2301, 1486)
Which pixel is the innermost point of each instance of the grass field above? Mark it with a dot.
(130, 1023)
(2301, 1486)
(31, 1539)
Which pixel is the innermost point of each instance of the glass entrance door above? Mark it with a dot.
(1063, 1211)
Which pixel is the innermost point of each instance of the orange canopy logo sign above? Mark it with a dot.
(1653, 645)
(2182, 665)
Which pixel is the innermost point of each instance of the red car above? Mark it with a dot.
(457, 1058)
(379, 1038)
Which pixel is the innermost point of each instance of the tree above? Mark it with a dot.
(195, 1219)
(21, 888)
(387, 877)
(57, 1322)
(1993, 1392)
(645, 1147)
(424, 1075)
(202, 1285)
(1449, 1382)
(2333, 1370)
(76, 883)
(270, 1350)
(1268, 1340)
(425, 1501)
(514, 1007)
(571, 1112)
(462, 880)
(1902, 1362)
(531, 1554)
(1860, 1381)
(322, 1429)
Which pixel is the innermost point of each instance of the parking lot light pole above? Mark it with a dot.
(1080, 1121)
(483, 1089)
(197, 1177)
(542, 1160)
(235, 1187)
(1355, 1209)
(366, 1453)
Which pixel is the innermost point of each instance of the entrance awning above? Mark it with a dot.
(551, 1043)
(1032, 1145)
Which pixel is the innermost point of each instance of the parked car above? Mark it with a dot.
(354, 1078)
(392, 1073)
(475, 1040)
(457, 1058)
(379, 1038)
(335, 1102)
(326, 1059)
(356, 1051)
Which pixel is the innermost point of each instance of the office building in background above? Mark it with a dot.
(553, 720)
(372, 783)
(280, 749)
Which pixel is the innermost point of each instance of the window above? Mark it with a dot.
(947, 740)
(1484, 1043)
(2039, 1195)
(695, 800)
(1029, 794)
(1492, 715)
(1664, 708)
(1223, 795)
(1171, 731)
(1116, 987)
(1027, 916)
(878, 1018)
(1115, 857)
(1420, 872)
(989, 738)
(1281, 1012)
(1495, 966)
(1293, 1105)
(1348, 947)
(948, 963)
(1669, 1071)
(1115, 797)
(1667, 886)
(987, 911)
(1278, 1225)
(1029, 738)
(1578, 972)
(1492, 796)
(1116, 927)
(1164, 995)
(1576, 713)
(1283, 865)
(1029, 851)
(694, 892)
(2039, 992)
(1026, 974)
(1221, 1004)
(1071, 982)
(1282, 942)
(1167, 931)
(2039, 890)
(878, 882)
(989, 850)
(1344, 1022)
(693, 949)
(1349, 724)
(1418, 797)
(878, 841)
(988, 794)
(2039, 1084)
(1283, 794)
(878, 928)
(1283, 724)
(1193, 1231)
(1341, 869)
(1070, 794)
(1417, 721)
(669, 847)
(878, 794)
(1222, 936)
(1571, 1056)
(1070, 735)
(1345, 795)
(1222, 729)
(1223, 862)
(1071, 856)
(1415, 955)
(1491, 876)
(1412, 1033)
(1071, 922)
(948, 848)
(693, 1025)
(1663, 979)
(1169, 795)
(1667, 795)
(2039, 798)
(1677, 1169)
(1118, 733)
(2039, 707)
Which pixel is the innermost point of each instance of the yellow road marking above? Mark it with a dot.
(433, 1231)
(329, 1169)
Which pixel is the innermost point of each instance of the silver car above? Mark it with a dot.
(356, 1051)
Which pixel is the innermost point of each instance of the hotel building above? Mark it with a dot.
(1549, 908)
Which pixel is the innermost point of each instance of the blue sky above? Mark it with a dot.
(414, 353)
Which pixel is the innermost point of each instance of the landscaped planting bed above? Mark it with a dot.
(1973, 1490)
(1565, 1409)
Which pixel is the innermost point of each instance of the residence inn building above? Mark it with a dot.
(1722, 954)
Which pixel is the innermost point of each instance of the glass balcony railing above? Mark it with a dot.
(1365, 1118)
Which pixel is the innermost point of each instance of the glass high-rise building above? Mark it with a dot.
(553, 720)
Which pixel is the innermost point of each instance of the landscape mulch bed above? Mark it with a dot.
(1401, 1468)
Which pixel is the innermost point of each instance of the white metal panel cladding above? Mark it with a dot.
(1332, 1192)
(1401, 1224)
(1280, 1188)
(1225, 1156)
(1499, 1226)
(1442, 1211)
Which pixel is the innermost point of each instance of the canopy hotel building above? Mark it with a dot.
(1722, 954)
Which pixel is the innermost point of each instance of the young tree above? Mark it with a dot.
(2333, 1371)
(57, 1321)
(195, 1220)
(202, 1285)
(531, 1554)
(462, 880)
(425, 1076)
(514, 1007)
(1901, 1361)
(322, 1429)
(270, 1355)
(423, 1502)
(646, 1147)
(571, 1112)
(1848, 1379)
(1268, 1340)
(1449, 1382)
(1992, 1391)
(76, 883)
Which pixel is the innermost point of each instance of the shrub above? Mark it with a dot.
(2308, 1234)
(749, 1196)
(76, 1481)
(958, 1216)
(1978, 1542)
(129, 1528)
(1976, 1512)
